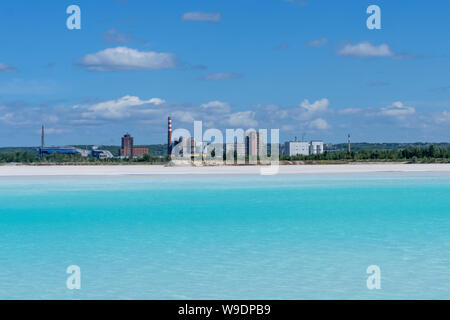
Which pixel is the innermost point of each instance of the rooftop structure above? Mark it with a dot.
(63, 150)
(58, 150)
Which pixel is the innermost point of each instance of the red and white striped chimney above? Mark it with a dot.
(169, 136)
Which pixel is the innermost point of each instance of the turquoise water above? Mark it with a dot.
(242, 237)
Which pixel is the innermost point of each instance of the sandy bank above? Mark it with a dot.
(11, 171)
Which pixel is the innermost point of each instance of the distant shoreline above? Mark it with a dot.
(120, 170)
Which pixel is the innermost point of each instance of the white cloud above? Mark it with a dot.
(317, 106)
(117, 109)
(202, 16)
(15, 119)
(222, 76)
(25, 87)
(184, 116)
(50, 118)
(319, 124)
(243, 119)
(442, 117)
(272, 111)
(114, 36)
(126, 59)
(317, 42)
(216, 106)
(6, 68)
(366, 50)
(307, 110)
(314, 117)
(7, 117)
(52, 131)
(397, 109)
(287, 127)
(349, 111)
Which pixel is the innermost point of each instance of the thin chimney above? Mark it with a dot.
(169, 137)
(349, 148)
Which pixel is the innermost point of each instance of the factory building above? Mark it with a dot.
(128, 150)
(60, 150)
(101, 154)
(294, 148)
(139, 152)
(252, 145)
(184, 146)
(316, 147)
(187, 146)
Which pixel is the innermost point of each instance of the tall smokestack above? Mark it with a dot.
(169, 138)
(349, 144)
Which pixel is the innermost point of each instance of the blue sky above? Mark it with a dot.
(305, 67)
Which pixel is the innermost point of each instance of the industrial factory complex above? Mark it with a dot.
(250, 145)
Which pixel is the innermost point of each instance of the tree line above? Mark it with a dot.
(30, 158)
(411, 154)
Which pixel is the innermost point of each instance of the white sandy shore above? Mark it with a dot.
(117, 170)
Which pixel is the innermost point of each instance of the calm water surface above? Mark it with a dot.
(230, 237)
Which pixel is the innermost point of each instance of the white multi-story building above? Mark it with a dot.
(295, 148)
(316, 147)
(254, 144)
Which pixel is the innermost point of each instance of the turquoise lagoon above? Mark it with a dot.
(226, 237)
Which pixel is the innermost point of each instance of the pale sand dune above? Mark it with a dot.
(115, 170)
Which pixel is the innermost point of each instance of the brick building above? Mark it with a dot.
(128, 150)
